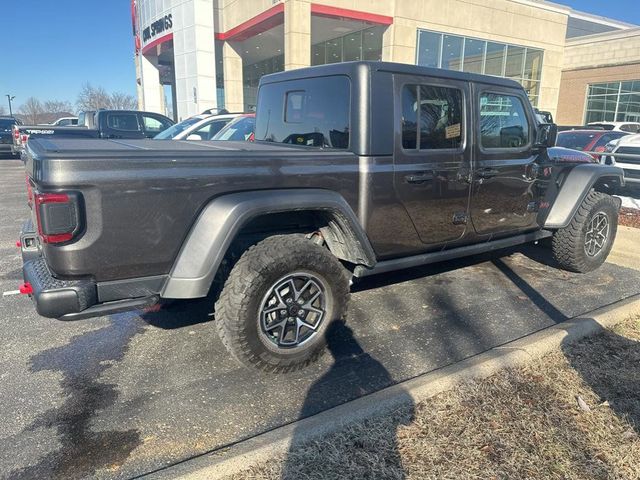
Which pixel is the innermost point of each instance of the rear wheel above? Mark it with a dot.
(278, 301)
(585, 243)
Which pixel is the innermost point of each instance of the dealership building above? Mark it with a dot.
(192, 55)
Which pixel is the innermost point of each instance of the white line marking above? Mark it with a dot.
(11, 292)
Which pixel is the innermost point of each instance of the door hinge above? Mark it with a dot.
(460, 218)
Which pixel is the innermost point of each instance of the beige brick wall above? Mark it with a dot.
(573, 88)
(603, 49)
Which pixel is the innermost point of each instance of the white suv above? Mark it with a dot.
(632, 127)
(198, 127)
(628, 157)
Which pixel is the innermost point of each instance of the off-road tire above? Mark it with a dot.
(237, 311)
(568, 243)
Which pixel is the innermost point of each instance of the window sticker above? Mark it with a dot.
(452, 131)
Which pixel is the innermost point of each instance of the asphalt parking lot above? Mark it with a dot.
(120, 396)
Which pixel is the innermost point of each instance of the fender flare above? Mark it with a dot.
(575, 188)
(222, 219)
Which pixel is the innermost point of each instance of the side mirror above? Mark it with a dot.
(546, 135)
(194, 136)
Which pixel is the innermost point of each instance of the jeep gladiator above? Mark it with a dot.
(358, 169)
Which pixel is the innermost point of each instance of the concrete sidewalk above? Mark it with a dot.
(626, 250)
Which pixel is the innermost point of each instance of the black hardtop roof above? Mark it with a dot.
(351, 69)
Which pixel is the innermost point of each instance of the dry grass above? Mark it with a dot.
(523, 423)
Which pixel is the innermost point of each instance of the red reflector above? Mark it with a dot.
(62, 237)
(26, 289)
(18, 244)
(41, 199)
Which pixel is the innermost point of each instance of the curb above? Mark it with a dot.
(264, 447)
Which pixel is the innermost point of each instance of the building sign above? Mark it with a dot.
(159, 26)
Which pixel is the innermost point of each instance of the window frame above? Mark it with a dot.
(135, 115)
(463, 120)
(161, 120)
(527, 112)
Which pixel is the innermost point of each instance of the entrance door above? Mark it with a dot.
(432, 161)
(504, 194)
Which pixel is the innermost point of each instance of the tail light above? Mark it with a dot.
(58, 216)
(23, 138)
(16, 132)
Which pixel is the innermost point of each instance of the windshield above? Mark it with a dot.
(176, 129)
(6, 123)
(576, 141)
(239, 129)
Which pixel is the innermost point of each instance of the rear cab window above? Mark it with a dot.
(316, 112)
(503, 122)
(123, 121)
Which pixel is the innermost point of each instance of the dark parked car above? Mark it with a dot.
(6, 133)
(357, 169)
(127, 124)
(587, 140)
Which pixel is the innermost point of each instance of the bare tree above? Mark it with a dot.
(94, 98)
(32, 110)
(123, 101)
(57, 106)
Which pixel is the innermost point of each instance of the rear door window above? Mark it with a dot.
(208, 131)
(154, 125)
(123, 121)
(437, 123)
(503, 121)
(316, 112)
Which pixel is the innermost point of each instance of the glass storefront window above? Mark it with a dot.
(453, 52)
(372, 43)
(473, 55)
(361, 45)
(429, 44)
(352, 45)
(515, 62)
(613, 102)
(494, 63)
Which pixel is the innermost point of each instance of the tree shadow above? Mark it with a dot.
(602, 362)
(610, 365)
(355, 373)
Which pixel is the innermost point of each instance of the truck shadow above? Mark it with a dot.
(357, 373)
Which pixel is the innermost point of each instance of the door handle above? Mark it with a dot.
(418, 177)
(488, 173)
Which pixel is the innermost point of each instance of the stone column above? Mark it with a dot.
(297, 34)
(232, 66)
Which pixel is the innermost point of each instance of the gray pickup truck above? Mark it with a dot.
(357, 169)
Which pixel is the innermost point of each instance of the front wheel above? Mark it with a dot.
(585, 243)
(278, 301)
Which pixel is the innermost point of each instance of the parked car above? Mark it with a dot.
(66, 122)
(241, 128)
(357, 169)
(588, 140)
(106, 124)
(198, 127)
(631, 127)
(6, 133)
(626, 155)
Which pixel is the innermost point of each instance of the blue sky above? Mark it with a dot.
(52, 47)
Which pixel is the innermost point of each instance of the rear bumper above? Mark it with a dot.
(66, 299)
